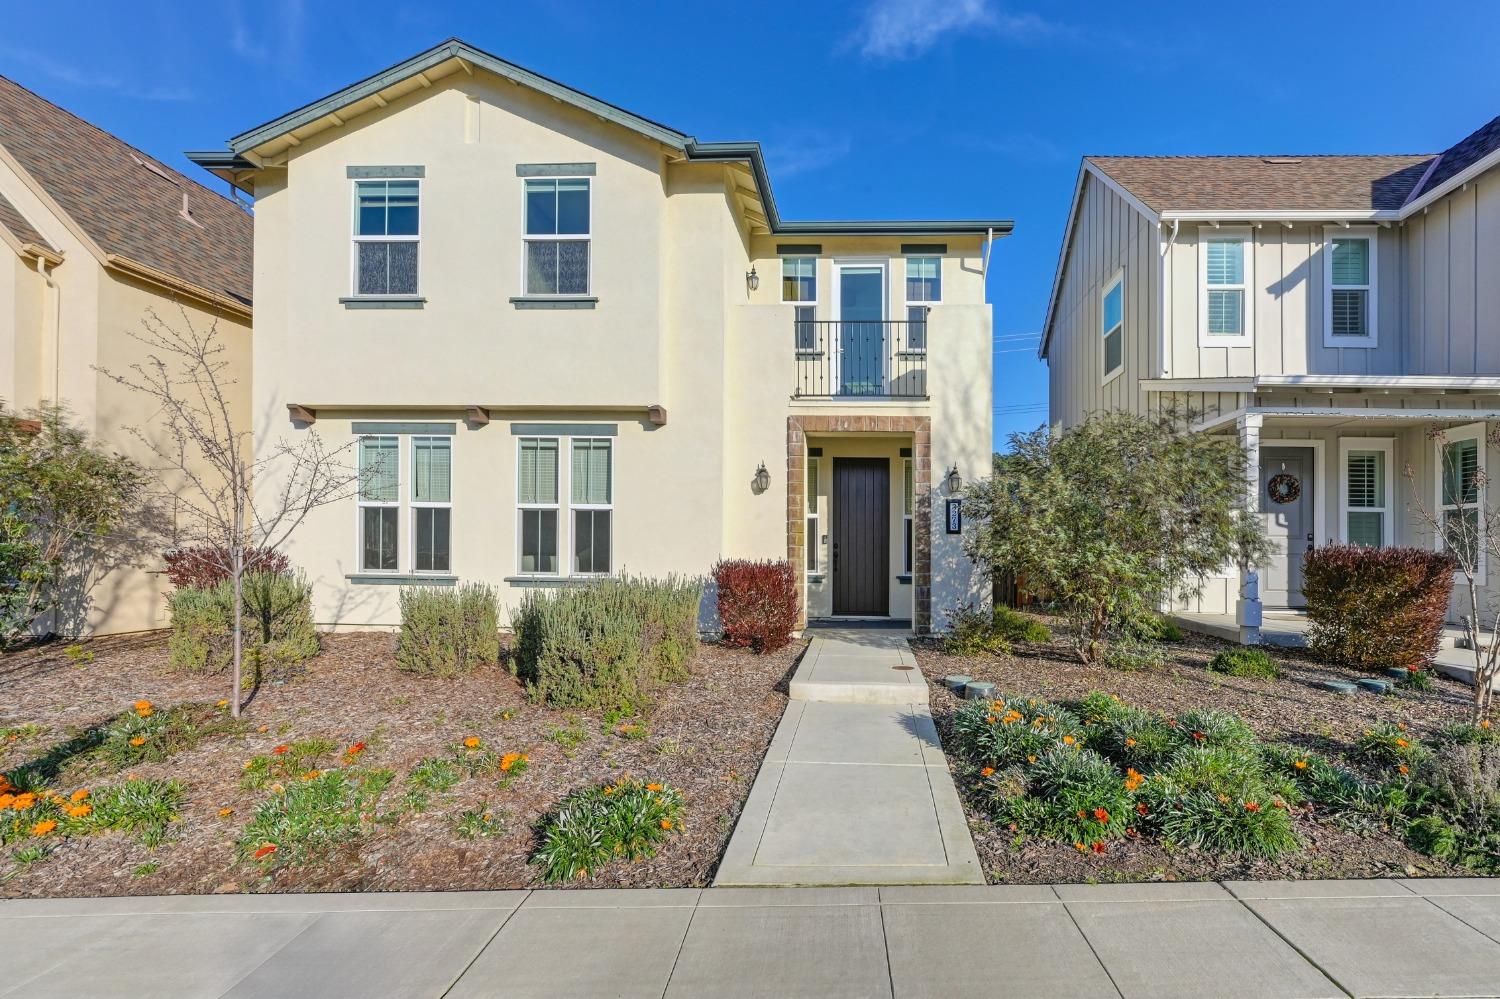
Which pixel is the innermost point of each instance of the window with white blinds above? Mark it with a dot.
(1226, 287)
(379, 503)
(537, 505)
(1112, 322)
(1350, 287)
(1365, 498)
(1461, 489)
(432, 503)
(592, 496)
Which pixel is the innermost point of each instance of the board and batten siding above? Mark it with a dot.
(1108, 236)
(1288, 289)
(1452, 295)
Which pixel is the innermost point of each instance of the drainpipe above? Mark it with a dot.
(1161, 296)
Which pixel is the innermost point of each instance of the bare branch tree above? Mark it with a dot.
(209, 466)
(1470, 533)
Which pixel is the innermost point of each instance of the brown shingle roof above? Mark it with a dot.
(1267, 183)
(128, 203)
(12, 219)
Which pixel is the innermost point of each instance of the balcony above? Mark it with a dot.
(864, 359)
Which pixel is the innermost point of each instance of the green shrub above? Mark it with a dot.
(1127, 735)
(1221, 729)
(1131, 656)
(286, 762)
(1434, 837)
(1218, 798)
(308, 817)
(609, 644)
(1012, 730)
(1018, 627)
(1153, 628)
(971, 633)
(1243, 661)
(1417, 678)
(1389, 745)
(135, 737)
(143, 807)
(1376, 608)
(1466, 777)
(1070, 794)
(599, 824)
(278, 625)
(447, 630)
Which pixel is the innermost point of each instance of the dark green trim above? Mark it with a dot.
(904, 578)
(384, 172)
(815, 452)
(799, 249)
(382, 303)
(424, 429)
(218, 159)
(543, 302)
(906, 452)
(920, 248)
(408, 579)
(552, 580)
(556, 169)
(564, 429)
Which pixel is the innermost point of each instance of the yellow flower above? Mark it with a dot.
(222, 703)
(1068, 740)
(1300, 764)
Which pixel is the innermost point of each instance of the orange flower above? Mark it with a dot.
(1082, 814)
(1402, 744)
(1129, 742)
(6, 799)
(79, 795)
(1133, 779)
(1278, 804)
(1101, 814)
(222, 702)
(1300, 764)
(1098, 847)
(1079, 847)
(1401, 726)
(472, 742)
(1251, 806)
(79, 811)
(24, 801)
(1223, 799)
(354, 750)
(43, 828)
(139, 740)
(265, 851)
(1404, 769)
(312, 775)
(1199, 736)
(666, 823)
(279, 750)
(1485, 723)
(509, 760)
(989, 719)
(1142, 810)
(653, 787)
(1031, 758)
(1068, 740)
(225, 812)
(144, 709)
(986, 771)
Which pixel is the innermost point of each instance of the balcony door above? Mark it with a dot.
(859, 288)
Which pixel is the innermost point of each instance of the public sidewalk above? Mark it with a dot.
(1307, 939)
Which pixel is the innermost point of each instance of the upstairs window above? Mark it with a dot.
(557, 236)
(1224, 271)
(924, 286)
(799, 288)
(386, 234)
(1112, 327)
(1350, 307)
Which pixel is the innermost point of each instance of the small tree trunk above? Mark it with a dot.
(239, 604)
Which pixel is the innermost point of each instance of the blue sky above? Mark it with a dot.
(874, 109)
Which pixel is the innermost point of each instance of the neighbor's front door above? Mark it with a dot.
(862, 328)
(861, 552)
(1286, 500)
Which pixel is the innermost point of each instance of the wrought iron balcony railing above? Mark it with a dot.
(872, 359)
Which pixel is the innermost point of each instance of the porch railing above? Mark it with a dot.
(880, 359)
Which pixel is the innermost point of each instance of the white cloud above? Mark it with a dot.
(278, 37)
(805, 151)
(70, 75)
(905, 29)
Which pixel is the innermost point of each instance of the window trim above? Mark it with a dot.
(928, 303)
(355, 239)
(609, 507)
(361, 504)
(908, 513)
(813, 514)
(556, 505)
(413, 505)
(1117, 281)
(527, 238)
(1372, 304)
(1347, 446)
(1246, 335)
(1474, 432)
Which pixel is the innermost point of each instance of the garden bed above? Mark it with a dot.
(706, 739)
(1291, 709)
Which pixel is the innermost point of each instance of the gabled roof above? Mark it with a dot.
(12, 219)
(140, 213)
(1267, 183)
(1460, 156)
(250, 149)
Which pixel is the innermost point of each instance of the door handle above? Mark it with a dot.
(1309, 541)
(835, 554)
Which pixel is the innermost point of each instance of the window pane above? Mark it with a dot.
(378, 538)
(1351, 261)
(573, 207)
(906, 563)
(539, 541)
(1461, 534)
(1224, 312)
(379, 469)
(1114, 350)
(591, 530)
(434, 526)
(402, 279)
(1367, 527)
(591, 471)
(1367, 478)
(916, 327)
(807, 330)
(923, 279)
(432, 470)
(798, 279)
(374, 266)
(401, 216)
(813, 544)
(813, 467)
(573, 267)
(541, 207)
(541, 267)
(370, 196)
(1226, 261)
(538, 472)
(1113, 307)
(1461, 472)
(909, 487)
(1349, 313)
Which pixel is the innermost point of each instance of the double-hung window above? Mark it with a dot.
(1224, 279)
(924, 286)
(799, 288)
(1112, 326)
(908, 487)
(379, 503)
(814, 520)
(1367, 491)
(1460, 492)
(592, 503)
(558, 223)
(387, 228)
(1349, 309)
(537, 505)
(432, 503)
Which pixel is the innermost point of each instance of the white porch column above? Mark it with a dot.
(1247, 609)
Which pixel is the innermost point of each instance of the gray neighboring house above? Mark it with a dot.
(1331, 312)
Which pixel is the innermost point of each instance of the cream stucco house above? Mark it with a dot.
(581, 342)
(1329, 311)
(93, 234)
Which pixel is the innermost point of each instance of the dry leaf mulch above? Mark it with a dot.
(1290, 709)
(707, 738)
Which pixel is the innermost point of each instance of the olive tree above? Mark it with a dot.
(1111, 517)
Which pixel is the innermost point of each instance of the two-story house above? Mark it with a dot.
(576, 342)
(94, 235)
(1331, 312)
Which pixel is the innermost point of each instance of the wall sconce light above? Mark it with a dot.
(752, 279)
(955, 481)
(762, 478)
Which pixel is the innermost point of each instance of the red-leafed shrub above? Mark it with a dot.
(758, 603)
(201, 566)
(1376, 608)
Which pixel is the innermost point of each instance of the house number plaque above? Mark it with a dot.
(955, 516)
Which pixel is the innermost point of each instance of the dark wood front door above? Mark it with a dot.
(861, 550)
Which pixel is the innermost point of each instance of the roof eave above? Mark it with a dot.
(1288, 215)
(1451, 184)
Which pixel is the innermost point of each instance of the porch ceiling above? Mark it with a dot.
(1334, 417)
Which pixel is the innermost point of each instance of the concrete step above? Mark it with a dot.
(856, 666)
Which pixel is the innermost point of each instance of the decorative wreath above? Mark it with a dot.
(1284, 488)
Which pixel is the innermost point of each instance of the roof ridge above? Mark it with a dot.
(1251, 156)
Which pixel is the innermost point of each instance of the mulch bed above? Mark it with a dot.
(707, 738)
(1291, 709)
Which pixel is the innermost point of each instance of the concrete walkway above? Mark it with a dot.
(854, 789)
(1307, 939)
